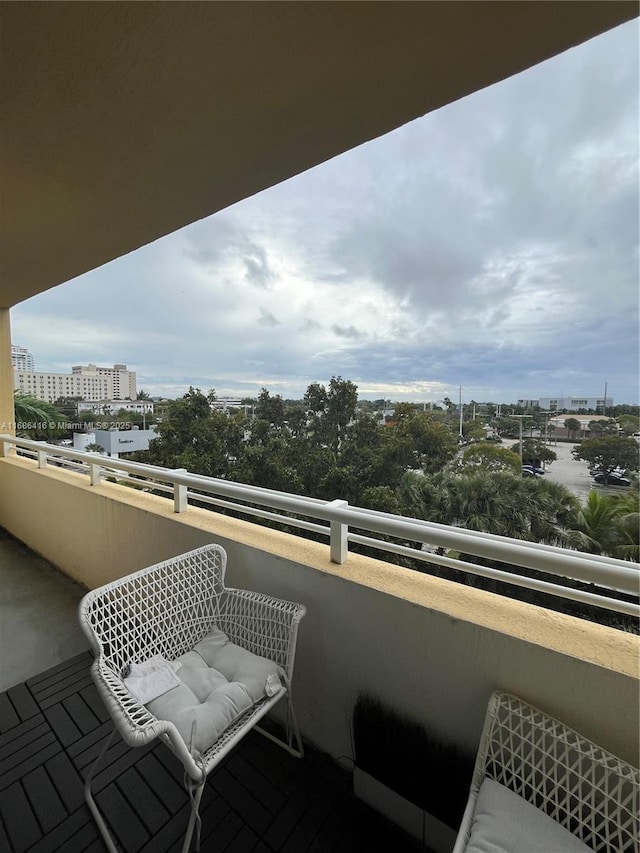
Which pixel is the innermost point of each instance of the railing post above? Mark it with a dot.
(42, 459)
(338, 542)
(180, 501)
(94, 474)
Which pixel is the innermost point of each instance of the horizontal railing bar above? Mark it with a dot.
(603, 571)
(507, 577)
(262, 513)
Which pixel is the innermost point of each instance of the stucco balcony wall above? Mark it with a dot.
(430, 649)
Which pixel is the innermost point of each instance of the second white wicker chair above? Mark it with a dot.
(582, 788)
(166, 610)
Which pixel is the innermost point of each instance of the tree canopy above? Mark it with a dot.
(609, 452)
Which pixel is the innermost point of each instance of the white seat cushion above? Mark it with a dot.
(219, 681)
(504, 822)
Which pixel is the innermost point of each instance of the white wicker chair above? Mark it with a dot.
(165, 610)
(581, 786)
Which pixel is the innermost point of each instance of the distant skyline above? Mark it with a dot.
(491, 244)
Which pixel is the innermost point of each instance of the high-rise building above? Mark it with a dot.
(22, 359)
(86, 381)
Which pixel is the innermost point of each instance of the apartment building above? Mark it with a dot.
(86, 381)
(22, 359)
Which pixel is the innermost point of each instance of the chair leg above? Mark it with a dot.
(195, 805)
(293, 733)
(100, 821)
(95, 811)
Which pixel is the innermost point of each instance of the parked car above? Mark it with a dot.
(534, 469)
(529, 471)
(614, 480)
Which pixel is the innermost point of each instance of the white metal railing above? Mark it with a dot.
(338, 517)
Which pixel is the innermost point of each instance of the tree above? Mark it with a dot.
(534, 452)
(271, 409)
(143, 395)
(629, 424)
(403, 411)
(37, 418)
(194, 437)
(487, 457)
(342, 398)
(572, 425)
(609, 452)
(473, 430)
(503, 503)
(597, 522)
(315, 398)
(92, 447)
(609, 427)
(433, 443)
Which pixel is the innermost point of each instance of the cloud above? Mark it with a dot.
(491, 244)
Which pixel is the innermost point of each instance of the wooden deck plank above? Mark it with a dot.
(39, 751)
(242, 800)
(22, 738)
(8, 716)
(59, 677)
(81, 713)
(168, 790)
(63, 725)
(244, 842)
(121, 818)
(79, 824)
(23, 702)
(45, 800)
(89, 741)
(18, 818)
(66, 780)
(310, 823)
(79, 661)
(272, 799)
(92, 698)
(59, 692)
(145, 803)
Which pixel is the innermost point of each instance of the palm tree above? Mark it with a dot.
(36, 418)
(598, 523)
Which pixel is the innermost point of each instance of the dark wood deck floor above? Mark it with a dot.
(261, 799)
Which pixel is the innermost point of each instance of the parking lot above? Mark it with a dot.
(572, 473)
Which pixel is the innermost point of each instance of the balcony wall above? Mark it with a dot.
(429, 648)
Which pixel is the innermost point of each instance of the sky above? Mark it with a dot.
(491, 244)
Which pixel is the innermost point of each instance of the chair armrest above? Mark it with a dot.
(262, 624)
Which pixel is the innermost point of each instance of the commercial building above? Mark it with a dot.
(111, 407)
(86, 381)
(572, 403)
(22, 359)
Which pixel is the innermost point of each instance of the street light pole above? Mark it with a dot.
(520, 419)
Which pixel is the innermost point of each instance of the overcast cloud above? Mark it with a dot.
(492, 244)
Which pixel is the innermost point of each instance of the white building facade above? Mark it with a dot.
(112, 407)
(87, 381)
(22, 359)
(575, 402)
(571, 403)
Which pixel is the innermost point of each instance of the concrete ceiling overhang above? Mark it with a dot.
(124, 121)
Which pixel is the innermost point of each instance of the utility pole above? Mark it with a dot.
(520, 419)
(460, 402)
